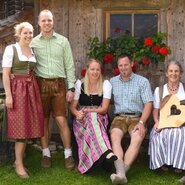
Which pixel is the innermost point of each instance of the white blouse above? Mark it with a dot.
(180, 94)
(107, 88)
(8, 55)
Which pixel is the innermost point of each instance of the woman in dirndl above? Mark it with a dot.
(25, 119)
(89, 107)
(167, 145)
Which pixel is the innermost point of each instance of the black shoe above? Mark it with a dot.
(108, 163)
(111, 159)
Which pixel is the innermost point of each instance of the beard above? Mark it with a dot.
(126, 73)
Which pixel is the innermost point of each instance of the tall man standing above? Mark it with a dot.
(133, 103)
(54, 65)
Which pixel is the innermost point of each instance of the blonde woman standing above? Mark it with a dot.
(23, 103)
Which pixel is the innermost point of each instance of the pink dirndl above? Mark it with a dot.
(26, 119)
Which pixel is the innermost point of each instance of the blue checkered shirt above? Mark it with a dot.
(130, 96)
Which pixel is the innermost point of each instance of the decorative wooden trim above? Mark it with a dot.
(131, 4)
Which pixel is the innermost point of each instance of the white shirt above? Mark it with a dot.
(8, 55)
(180, 94)
(107, 87)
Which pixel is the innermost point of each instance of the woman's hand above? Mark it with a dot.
(80, 114)
(156, 125)
(9, 102)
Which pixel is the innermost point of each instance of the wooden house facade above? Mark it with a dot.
(81, 19)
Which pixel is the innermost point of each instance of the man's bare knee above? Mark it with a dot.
(116, 136)
(136, 138)
(62, 123)
(116, 133)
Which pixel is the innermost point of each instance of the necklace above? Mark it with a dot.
(172, 89)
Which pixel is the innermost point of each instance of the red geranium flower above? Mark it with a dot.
(108, 58)
(148, 41)
(155, 49)
(163, 51)
(146, 61)
(116, 71)
(117, 30)
(83, 72)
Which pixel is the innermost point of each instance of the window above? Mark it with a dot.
(139, 23)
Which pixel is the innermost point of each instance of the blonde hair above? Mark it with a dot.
(19, 27)
(86, 79)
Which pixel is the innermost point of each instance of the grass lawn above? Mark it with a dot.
(138, 175)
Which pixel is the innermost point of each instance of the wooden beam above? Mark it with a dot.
(130, 4)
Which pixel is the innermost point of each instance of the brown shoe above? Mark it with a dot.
(69, 163)
(46, 162)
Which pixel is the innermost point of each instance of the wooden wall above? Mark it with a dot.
(176, 30)
(77, 20)
(80, 19)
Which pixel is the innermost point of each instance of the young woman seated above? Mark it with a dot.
(89, 107)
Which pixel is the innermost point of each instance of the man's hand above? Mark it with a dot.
(69, 96)
(141, 129)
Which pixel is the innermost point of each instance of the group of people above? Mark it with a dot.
(34, 73)
(39, 81)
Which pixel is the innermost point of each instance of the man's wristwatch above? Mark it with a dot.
(142, 122)
(71, 89)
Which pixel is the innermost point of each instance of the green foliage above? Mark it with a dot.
(153, 52)
(124, 44)
(138, 49)
(97, 49)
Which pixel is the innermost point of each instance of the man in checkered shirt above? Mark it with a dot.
(133, 104)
